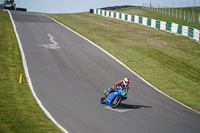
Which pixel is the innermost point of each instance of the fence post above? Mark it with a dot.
(166, 11)
(184, 15)
(199, 18)
(180, 14)
(194, 18)
(188, 16)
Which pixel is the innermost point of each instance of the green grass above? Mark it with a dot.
(19, 111)
(154, 15)
(169, 62)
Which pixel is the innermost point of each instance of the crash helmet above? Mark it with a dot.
(126, 81)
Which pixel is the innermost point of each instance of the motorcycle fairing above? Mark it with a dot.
(110, 97)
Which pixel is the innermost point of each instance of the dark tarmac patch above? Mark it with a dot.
(31, 18)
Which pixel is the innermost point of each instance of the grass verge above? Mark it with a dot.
(169, 62)
(19, 111)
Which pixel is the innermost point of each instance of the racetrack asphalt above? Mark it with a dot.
(69, 75)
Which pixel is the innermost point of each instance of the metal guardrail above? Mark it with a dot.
(21, 9)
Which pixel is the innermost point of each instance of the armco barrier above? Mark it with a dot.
(162, 25)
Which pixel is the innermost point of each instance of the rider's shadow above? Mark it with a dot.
(128, 106)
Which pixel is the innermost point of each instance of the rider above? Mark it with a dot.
(122, 83)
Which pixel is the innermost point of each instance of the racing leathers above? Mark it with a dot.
(115, 88)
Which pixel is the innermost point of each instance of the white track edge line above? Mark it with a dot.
(124, 66)
(29, 79)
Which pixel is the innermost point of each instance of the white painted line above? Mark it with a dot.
(124, 66)
(120, 110)
(29, 79)
(51, 46)
(51, 39)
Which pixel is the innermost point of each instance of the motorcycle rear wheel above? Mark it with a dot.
(116, 101)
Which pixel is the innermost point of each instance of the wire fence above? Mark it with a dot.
(191, 16)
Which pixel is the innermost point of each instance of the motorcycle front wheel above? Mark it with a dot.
(116, 101)
(102, 100)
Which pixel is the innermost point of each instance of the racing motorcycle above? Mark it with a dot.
(114, 99)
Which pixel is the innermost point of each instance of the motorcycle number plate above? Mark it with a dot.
(123, 93)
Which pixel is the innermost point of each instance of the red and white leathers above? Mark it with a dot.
(120, 83)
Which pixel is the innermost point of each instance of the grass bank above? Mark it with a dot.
(154, 15)
(19, 111)
(169, 62)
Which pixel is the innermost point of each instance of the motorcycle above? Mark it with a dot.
(114, 99)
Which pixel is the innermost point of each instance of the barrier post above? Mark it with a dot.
(20, 79)
(199, 18)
